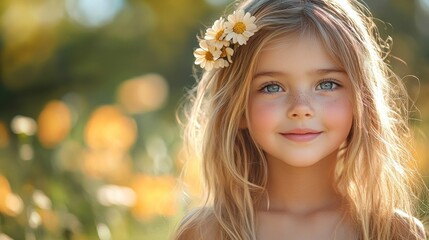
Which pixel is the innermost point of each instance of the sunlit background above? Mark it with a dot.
(89, 142)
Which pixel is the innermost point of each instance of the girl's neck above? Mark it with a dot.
(302, 190)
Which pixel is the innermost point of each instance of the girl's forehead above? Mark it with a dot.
(291, 39)
(295, 47)
(300, 43)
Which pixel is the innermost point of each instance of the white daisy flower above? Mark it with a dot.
(225, 57)
(221, 63)
(217, 33)
(206, 55)
(227, 52)
(240, 27)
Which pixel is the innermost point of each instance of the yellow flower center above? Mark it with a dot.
(224, 53)
(239, 28)
(219, 35)
(209, 56)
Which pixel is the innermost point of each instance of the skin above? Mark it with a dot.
(298, 88)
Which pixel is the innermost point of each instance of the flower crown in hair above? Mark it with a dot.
(220, 41)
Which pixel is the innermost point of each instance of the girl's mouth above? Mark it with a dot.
(301, 134)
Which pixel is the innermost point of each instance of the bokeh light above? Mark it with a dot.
(35, 220)
(50, 219)
(93, 13)
(54, 123)
(155, 196)
(103, 231)
(109, 164)
(5, 237)
(10, 203)
(29, 38)
(422, 16)
(424, 4)
(24, 125)
(109, 195)
(142, 94)
(41, 200)
(109, 128)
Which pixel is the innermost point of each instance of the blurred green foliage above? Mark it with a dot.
(104, 168)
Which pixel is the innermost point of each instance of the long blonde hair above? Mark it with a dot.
(375, 174)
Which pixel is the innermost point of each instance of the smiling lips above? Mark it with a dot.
(301, 134)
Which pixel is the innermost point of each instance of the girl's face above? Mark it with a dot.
(300, 106)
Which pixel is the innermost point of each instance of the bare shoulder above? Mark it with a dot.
(408, 227)
(197, 225)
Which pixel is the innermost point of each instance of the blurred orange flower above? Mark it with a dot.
(109, 164)
(155, 196)
(142, 94)
(10, 203)
(54, 123)
(50, 220)
(109, 128)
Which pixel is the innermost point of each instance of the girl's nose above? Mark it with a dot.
(299, 107)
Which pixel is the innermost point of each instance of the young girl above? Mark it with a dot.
(301, 127)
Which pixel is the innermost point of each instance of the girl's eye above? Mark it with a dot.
(327, 85)
(271, 88)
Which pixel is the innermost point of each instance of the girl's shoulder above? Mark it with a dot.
(407, 226)
(198, 224)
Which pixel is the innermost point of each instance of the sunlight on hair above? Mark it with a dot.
(143, 94)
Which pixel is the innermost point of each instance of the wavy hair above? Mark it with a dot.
(375, 173)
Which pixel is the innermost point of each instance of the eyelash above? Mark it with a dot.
(336, 85)
(264, 90)
(328, 81)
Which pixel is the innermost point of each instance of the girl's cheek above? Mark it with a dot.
(338, 111)
(264, 113)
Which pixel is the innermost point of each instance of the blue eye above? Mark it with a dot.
(327, 85)
(271, 88)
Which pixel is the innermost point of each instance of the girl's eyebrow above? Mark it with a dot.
(268, 73)
(330, 70)
(322, 71)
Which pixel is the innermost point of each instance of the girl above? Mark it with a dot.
(301, 127)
